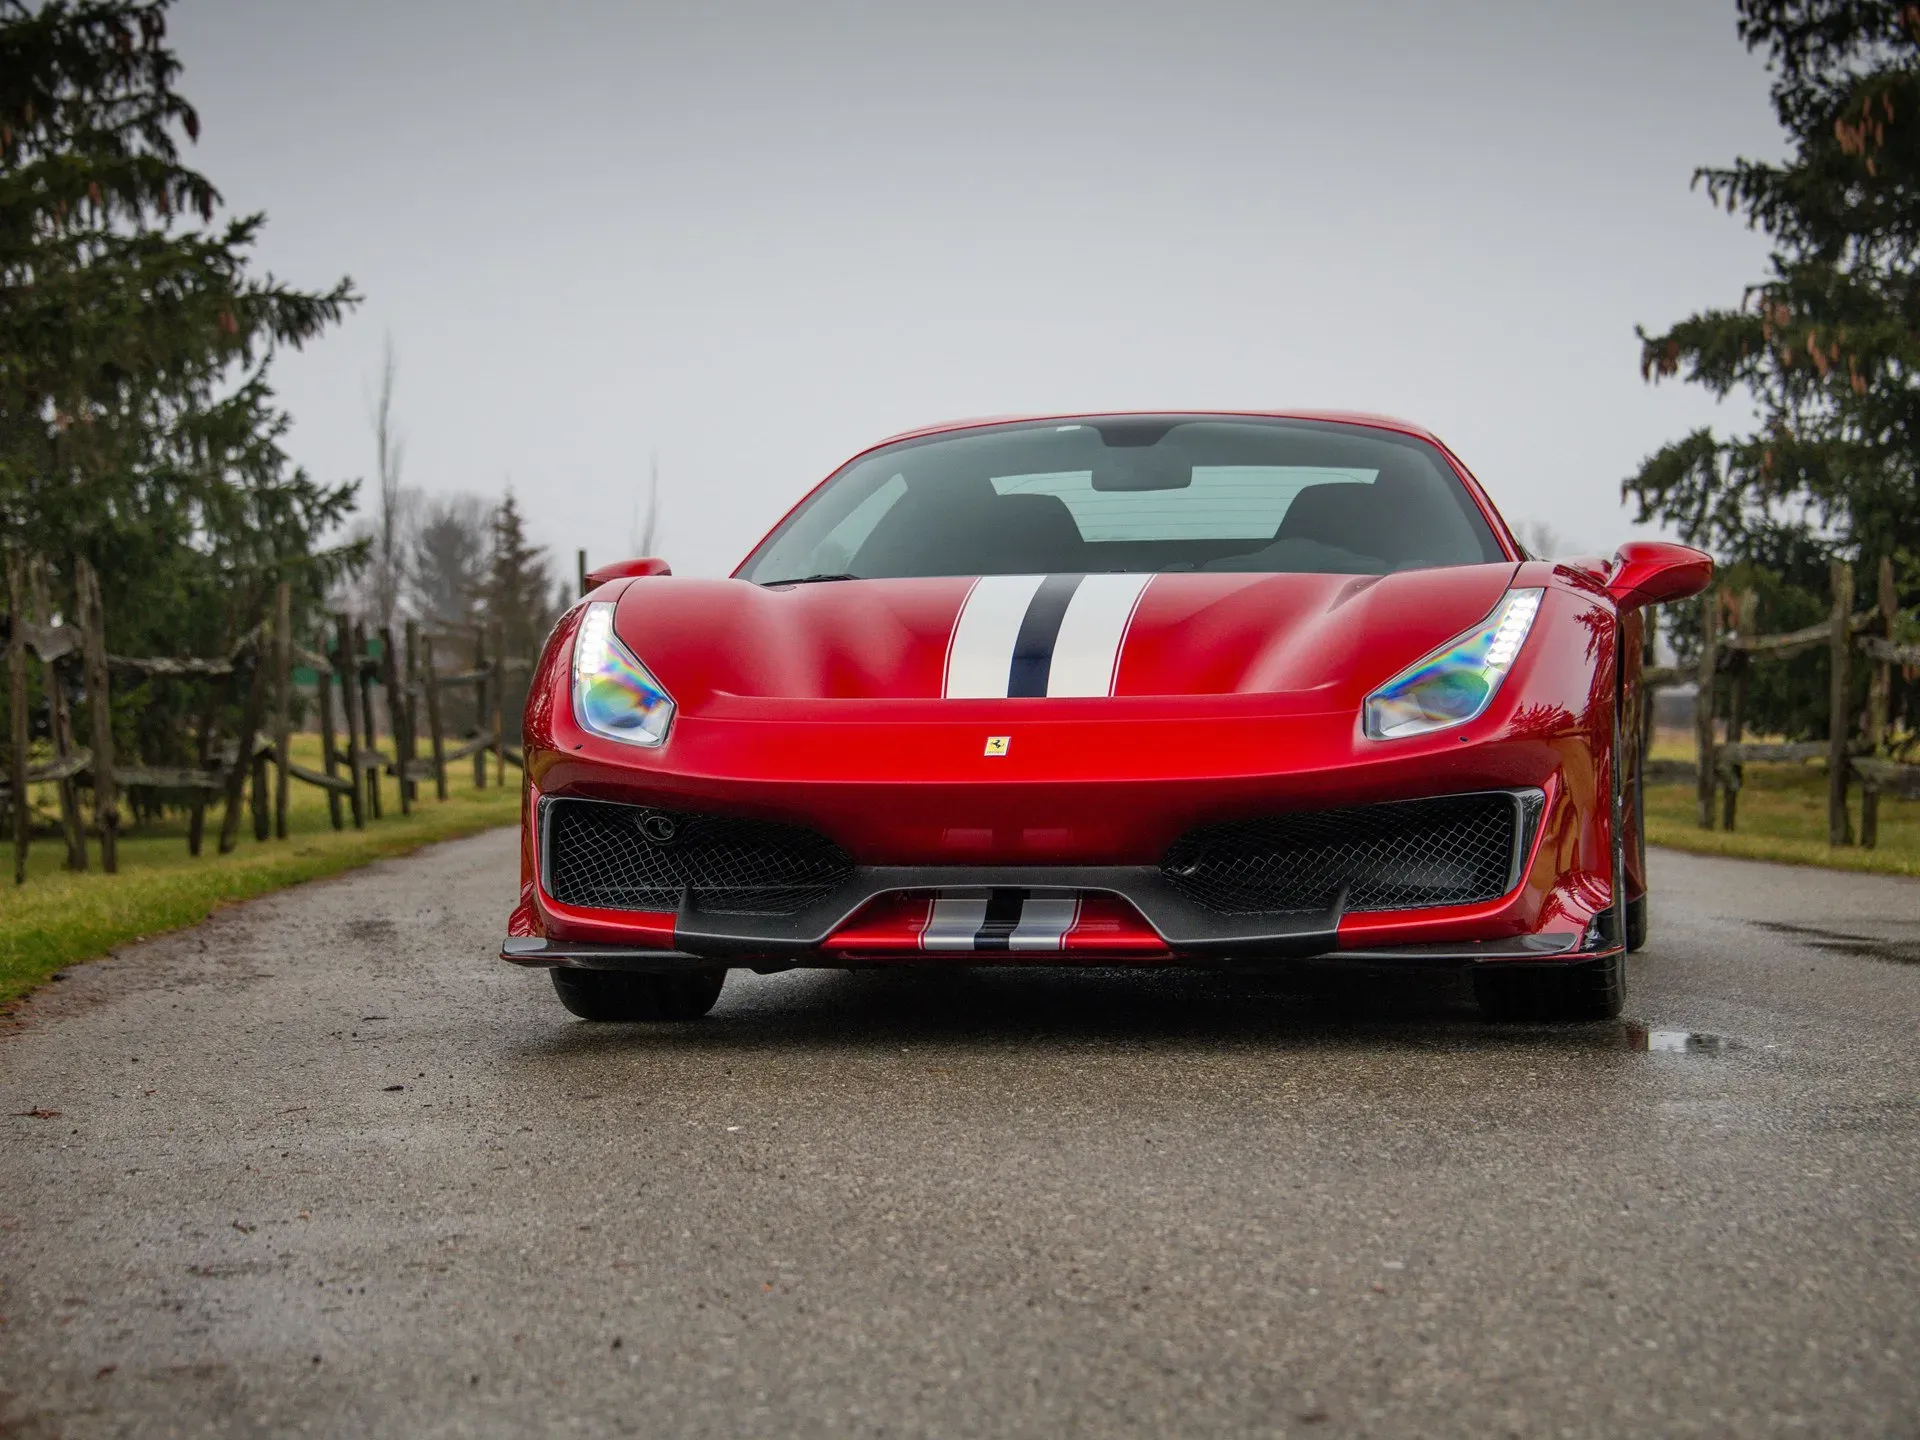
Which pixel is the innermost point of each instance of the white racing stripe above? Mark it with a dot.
(1083, 658)
(954, 923)
(1086, 656)
(980, 655)
(1044, 924)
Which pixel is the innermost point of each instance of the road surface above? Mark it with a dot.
(324, 1166)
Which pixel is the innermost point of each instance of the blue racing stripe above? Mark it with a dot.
(1039, 630)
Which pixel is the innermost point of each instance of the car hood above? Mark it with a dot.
(1324, 640)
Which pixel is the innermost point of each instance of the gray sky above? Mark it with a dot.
(756, 237)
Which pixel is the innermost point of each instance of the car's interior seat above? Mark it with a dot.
(1352, 515)
(970, 529)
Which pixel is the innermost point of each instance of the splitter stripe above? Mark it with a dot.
(981, 655)
(1044, 924)
(954, 923)
(1086, 656)
(1001, 920)
(1033, 650)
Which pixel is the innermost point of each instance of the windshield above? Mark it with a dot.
(1140, 494)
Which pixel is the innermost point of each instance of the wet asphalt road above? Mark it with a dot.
(324, 1166)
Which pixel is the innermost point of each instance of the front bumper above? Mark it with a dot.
(1065, 914)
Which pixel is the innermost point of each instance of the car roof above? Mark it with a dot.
(1339, 417)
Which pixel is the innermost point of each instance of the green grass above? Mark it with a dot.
(1781, 816)
(58, 919)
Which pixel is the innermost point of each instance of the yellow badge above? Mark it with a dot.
(997, 744)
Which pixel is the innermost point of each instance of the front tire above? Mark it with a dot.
(1637, 924)
(623, 997)
(1585, 991)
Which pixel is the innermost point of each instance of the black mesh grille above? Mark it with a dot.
(633, 857)
(1450, 851)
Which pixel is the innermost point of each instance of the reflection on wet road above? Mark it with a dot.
(1838, 942)
(324, 1166)
(1657, 1041)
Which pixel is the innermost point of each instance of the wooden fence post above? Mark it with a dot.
(413, 709)
(62, 717)
(106, 797)
(17, 712)
(436, 732)
(499, 697)
(203, 756)
(1879, 699)
(369, 765)
(396, 715)
(282, 703)
(480, 705)
(59, 725)
(349, 671)
(1703, 703)
(329, 756)
(259, 798)
(1746, 611)
(1839, 730)
(250, 713)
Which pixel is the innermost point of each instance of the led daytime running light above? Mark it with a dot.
(1457, 683)
(614, 695)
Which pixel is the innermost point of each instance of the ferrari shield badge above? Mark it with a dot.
(997, 744)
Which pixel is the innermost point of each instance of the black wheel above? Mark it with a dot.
(1557, 994)
(1637, 923)
(619, 997)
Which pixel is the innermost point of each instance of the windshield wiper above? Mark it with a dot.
(811, 579)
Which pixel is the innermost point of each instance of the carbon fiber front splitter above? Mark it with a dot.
(1553, 948)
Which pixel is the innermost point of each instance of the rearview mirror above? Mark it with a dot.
(626, 570)
(1652, 572)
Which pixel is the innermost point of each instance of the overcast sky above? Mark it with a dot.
(754, 237)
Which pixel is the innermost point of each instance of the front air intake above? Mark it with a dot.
(637, 857)
(1409, 855)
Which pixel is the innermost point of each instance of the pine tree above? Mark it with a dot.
(520, 585)
(137, 424)
(1826, 345)
(448, 568)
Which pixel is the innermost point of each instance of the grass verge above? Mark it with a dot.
(59, 918)
(1782, 816)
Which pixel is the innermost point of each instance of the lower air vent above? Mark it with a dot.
(635, 857)
(1410, 855)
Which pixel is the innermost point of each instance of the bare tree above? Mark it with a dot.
(387, 574)
(646, 531)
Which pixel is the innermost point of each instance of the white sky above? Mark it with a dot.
(755, 237)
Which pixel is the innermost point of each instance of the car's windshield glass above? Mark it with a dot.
(1137, 494)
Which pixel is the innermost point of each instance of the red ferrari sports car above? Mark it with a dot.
(1212, 689)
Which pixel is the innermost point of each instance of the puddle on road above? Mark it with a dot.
(1839, 942)
(1655, 1041)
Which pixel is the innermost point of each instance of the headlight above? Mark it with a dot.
(1454, 684)
(614, 695)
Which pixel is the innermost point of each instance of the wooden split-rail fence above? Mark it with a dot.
(1857, 739)
(358, 684)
